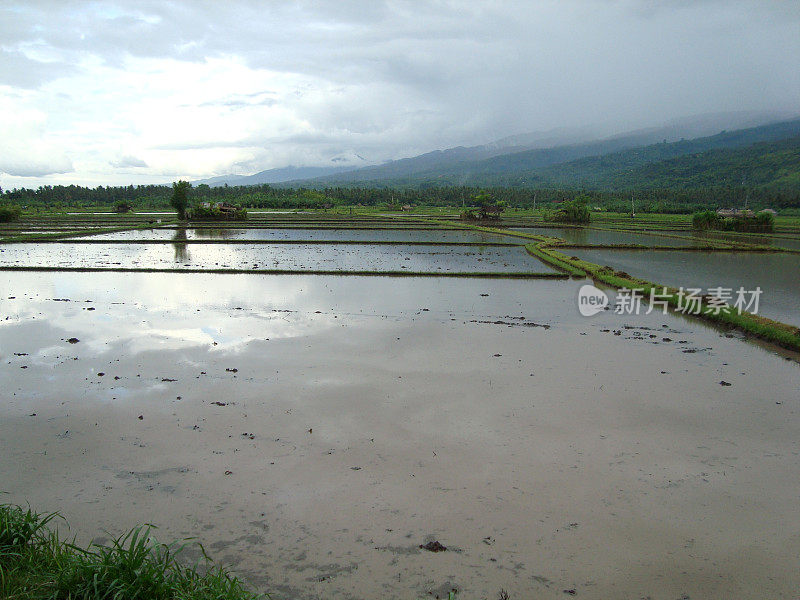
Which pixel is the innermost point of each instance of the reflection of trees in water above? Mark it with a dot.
(180, 245)
(575, 235)
(215, 233)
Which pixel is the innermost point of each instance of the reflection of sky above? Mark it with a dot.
(145, 311)
(149, 311)
(317, 234)
(167, 319)
(335, 257)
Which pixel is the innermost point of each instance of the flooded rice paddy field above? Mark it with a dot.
(778, 275)
(29, 229)
(314, 431)
(16, 232)
(577, 235)
(335, 257)
(311, 234)
(779, 241)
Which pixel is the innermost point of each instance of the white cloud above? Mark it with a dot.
(128, 162)
(190, 90)
(32, 165)
(26, 150)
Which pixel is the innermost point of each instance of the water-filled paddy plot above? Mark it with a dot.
(590, 236)
(294, 257)
(776, 274)
(314, 430)
(310, 233)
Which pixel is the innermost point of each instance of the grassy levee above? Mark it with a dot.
(780, 334)
(36, 564)
(541, 252)
(502, 231)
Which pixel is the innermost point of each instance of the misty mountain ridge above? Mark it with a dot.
(273, 175)
(737, 151)
(534, 158)
(503, 163)
(596, 169)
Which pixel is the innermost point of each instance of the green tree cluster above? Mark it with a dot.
(9, 212)
(574, 211)
(762, 222)
(180, 198)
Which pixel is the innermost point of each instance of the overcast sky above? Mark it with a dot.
(118, 92)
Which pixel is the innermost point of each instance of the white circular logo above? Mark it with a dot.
(591, 300)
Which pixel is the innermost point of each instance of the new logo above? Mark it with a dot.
(591, 300)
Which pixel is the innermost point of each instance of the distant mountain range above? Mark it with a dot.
(273, 176)
(680, 154)
(635, 167)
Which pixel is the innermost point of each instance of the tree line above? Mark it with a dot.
(266, 196)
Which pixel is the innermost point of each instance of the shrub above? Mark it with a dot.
(218, 212)
(9, 213)
(573, 211)
(705, 220)
(760, 223)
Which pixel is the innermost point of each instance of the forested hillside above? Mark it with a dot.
(595, 164)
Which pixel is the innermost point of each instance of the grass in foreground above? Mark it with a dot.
(35, 564)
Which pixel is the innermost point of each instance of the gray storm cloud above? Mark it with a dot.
(388, 79)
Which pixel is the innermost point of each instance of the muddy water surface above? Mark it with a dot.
(314, 431)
